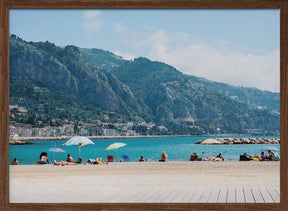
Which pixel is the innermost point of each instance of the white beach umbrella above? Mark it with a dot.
(78, 140)
(115, 146)
(209, 142)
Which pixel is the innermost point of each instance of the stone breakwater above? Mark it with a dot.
(16, 142)
(245, 140)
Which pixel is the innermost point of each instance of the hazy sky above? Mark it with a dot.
(238, 47)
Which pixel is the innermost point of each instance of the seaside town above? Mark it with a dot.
(97, 127)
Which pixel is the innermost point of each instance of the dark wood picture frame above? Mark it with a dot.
(134, 4)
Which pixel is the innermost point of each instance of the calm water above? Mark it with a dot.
(177, 148)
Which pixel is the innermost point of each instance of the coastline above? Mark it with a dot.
(21, 140)
(43, 138)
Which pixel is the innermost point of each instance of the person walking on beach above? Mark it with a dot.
(164, 157)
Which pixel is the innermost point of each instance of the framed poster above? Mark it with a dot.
(183, 39)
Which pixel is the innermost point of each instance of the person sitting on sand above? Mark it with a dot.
(263, 156)
(164, 157)
(101, 161)
(270, 154)
(79, 160)
(69, 158)
(63, 163)
(43, 158)
(193, 157)
(219, 157)
(15, 162)
(141, 159)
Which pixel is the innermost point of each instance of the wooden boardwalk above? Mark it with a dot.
(160, 195)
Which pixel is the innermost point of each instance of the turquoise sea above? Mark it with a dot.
(177, 149)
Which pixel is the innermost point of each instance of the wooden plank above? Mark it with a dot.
(158, 195)
(248, 195)
(222, 195)
(180, 196)
(163, 195)
(150, 195)
(101, 194)
(266, 196)
(214, 195)
(110, 195)
(274, 195)
(197, 195)
(205, 195)
(277, 190)
(118, 195)
(231, 195)
(189, 195)
(257, 195)
(171, 194)
(240, 198)
(137, 195)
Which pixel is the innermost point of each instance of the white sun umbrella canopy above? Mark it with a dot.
(210, 141)
(115, 146)
(78, 140)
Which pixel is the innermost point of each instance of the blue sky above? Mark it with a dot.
(239, 47)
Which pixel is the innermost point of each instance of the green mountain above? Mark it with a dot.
(67, 70)
(46, 79)
(102, 59)
(250, 96)
(173, 96)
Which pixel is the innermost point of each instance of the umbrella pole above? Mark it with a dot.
(117, 154)
(79, 152)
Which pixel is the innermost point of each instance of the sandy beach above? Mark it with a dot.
(134, 182)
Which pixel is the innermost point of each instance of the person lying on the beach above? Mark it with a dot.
(99, 161)
(209, 158)
(149, 160)
(163, 157)
(63, 163)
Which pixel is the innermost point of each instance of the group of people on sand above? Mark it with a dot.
(271, 156)
(195, 157)
(43, 158)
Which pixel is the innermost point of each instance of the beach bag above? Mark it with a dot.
(244, 158)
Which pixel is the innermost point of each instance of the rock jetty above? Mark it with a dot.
(245, 140)
(17, 142)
